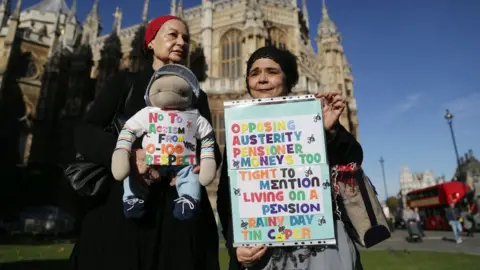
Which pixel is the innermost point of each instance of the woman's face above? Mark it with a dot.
(266, 79)
(170, 45)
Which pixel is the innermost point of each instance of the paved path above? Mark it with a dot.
(441, 241)
(433, 241)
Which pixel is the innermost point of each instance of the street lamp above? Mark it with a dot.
(382, 162)
(449, 118)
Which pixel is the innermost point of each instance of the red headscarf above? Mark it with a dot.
(154, 26)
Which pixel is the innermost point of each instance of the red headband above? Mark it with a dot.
(154, 26)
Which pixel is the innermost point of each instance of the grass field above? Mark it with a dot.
(54, 257)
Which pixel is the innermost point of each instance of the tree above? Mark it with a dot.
(392, 204)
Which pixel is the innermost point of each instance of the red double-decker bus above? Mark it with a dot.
(432, 201)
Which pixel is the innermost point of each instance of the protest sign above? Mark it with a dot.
(278, 172)
(170, 138)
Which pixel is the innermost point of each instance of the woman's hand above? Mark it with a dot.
(333, 104)
(250, 255)
(148, 173)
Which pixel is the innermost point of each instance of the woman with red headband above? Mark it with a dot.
(108, 239)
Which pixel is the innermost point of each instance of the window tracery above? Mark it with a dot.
(231, 54)
(277, 38)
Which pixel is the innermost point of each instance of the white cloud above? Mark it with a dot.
(464, 107)
(409, 101)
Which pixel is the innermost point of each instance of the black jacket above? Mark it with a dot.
(157, 241)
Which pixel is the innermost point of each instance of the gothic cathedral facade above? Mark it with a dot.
(53, 66)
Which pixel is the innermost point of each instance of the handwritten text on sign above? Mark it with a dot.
(171, 138)
(296, 140)
(289, 199)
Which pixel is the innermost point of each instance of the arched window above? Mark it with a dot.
(231, 54)
(277, 38)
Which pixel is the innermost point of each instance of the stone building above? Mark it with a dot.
(410, 181)
(469, 172)
(52, 65)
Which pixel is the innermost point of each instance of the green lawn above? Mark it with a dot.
(53, 257)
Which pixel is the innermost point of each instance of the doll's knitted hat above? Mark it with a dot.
(175, 70)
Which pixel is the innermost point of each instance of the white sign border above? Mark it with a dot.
(267, 101)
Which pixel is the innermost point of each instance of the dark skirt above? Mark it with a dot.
(157, 242)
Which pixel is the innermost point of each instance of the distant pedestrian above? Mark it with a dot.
(469, 221)
(452, 218)
(419, 221)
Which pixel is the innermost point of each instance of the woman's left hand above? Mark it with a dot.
(195, 170)
(333, 104)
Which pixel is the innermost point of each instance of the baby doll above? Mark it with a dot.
(170, 90)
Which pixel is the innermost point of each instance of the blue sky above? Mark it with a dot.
(411, 60)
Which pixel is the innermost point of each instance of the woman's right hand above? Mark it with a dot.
(148, 173)
(250, 255)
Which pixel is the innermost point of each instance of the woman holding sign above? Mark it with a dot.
(272, 72)
(108, 239)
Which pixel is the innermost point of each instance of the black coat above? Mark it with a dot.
(158, 241)
(342, 149)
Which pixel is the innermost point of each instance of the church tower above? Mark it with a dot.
(5, 11)
(12, 108)
(91, 26)
(53, 90)
(336, 71)
(111, 54)
(6, 48)
(254, 32)
(80, 85)
(173, 8)
(206, 34)
(72, 29)
(180, 9)
(136, 60)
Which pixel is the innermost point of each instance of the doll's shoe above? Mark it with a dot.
(185, 208)
(133, 207)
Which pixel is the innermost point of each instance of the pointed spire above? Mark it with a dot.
(73, 12)
(71, 25)
(93, 15)
(324, 10)
(180, 9)
(5, 11)
(117, 23)
(91, 26)
(6, 5)
(305, 13)
(55, 45)
(95, 7)
(145, 12)
(57, 30)
(18, 8)
(173, 7)
(326, 26)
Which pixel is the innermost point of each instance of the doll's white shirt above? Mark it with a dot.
(139, 122)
